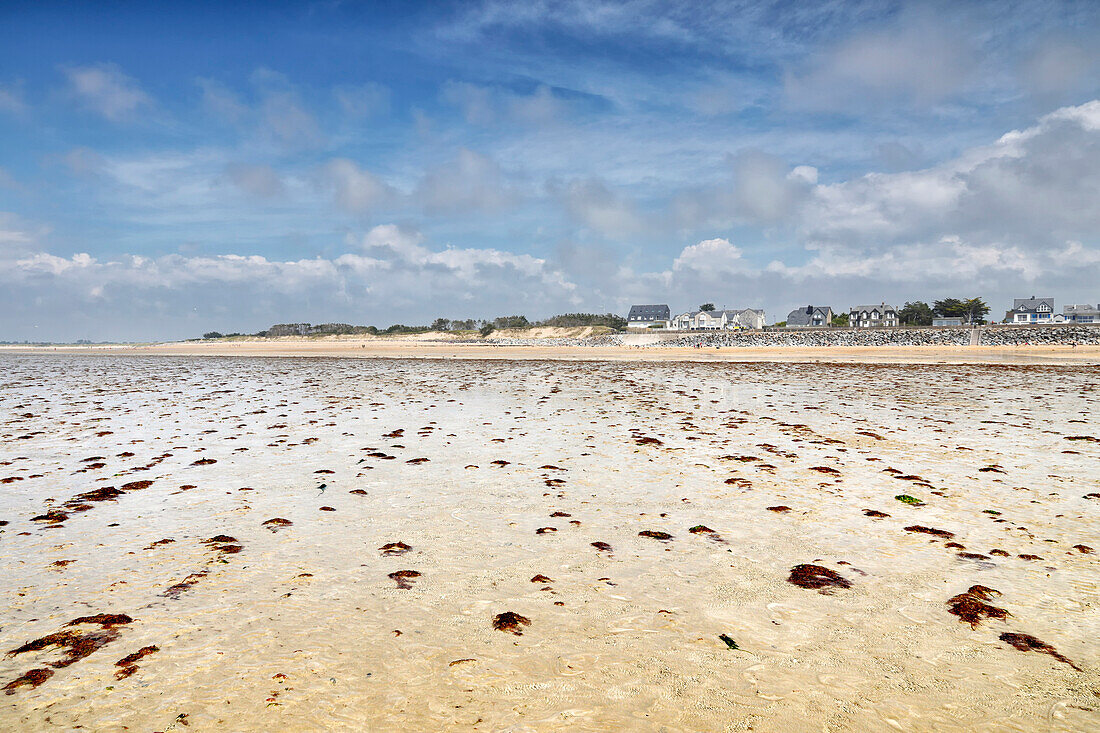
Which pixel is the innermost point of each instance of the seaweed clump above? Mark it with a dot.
(510, 621)
(404, 578)
(972, 608)
(128, 664)
(31, 679)
(816, 577)
(930, 530)
(1028, 643)
(655, 535)
(394, 548)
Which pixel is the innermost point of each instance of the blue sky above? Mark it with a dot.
(174, 168)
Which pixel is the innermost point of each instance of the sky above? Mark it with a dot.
(171, 169)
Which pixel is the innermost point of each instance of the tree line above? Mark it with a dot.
(919, 313)
(481, 325)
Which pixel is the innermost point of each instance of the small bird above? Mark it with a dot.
(322, 487)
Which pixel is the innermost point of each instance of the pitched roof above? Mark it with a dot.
(648, 313)
(804, 316)
(1031, 303)
(877, 306)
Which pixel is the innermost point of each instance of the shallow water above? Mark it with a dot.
(303, 629)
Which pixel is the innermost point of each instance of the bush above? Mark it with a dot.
(574, 320)
(487, 329)
(212, 335)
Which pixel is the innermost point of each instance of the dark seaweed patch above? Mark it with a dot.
(510, 621)
(31, 679)
(394, 548)
(930, 530)
(655, 535)
(1028, 643)
(816, 577)
(971, 607)
(404, 578)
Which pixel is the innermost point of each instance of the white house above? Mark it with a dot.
(719, 320)
(873, 316)
(1081, 313)
(1032, 310)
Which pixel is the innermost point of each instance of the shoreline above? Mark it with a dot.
(376, 348)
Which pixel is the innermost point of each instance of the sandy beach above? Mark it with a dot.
(414, 348)
(329, 544)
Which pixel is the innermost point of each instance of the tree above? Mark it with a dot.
(487, 329)
(511, 322)
(441, 324)
(212, 335)
(573, 320)
(972, 310)
(950, 308)
(840, 320)
(917, 313)
(976, 310)
(708, 307)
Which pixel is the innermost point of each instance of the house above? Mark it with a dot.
(1081, 313)
(873, 316)
(644, 316)
(1031, 310)
(719, 320)
(952, 321)
(812, 316)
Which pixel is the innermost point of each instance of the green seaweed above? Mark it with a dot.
(910, 500)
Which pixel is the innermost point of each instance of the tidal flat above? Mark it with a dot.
(253, 543)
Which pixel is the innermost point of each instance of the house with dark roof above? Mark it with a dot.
(644, 316)
(1031, 310)
(873, 316)
(812, 316)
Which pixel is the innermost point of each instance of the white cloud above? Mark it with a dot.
(471, 182)
(475, 102)
(260, 181)
(918, 60)
(591, 203)
(711, 255)
(221, 102)
(356, 190)
(104, 89)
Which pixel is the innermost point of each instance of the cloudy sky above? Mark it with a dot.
(168, 171)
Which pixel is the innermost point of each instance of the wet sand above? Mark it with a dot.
(547, 545)
(414, 348)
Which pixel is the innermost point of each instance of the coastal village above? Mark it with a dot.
(1029, 311)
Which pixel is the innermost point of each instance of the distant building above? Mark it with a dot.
(751, 318)
(952, 321)
(644, 316)
(812, 316)
(1081, 313)
(873, 316)
(1031, 310)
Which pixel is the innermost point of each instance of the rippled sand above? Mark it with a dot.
(240, 625)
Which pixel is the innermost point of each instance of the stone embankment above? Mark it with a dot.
(840, 337)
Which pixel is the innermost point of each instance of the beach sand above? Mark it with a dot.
(493, 471)
(418, 348)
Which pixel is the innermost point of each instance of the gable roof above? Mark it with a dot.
(648, 313)
(880, 307)
(804, 316)
(1030, 304)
